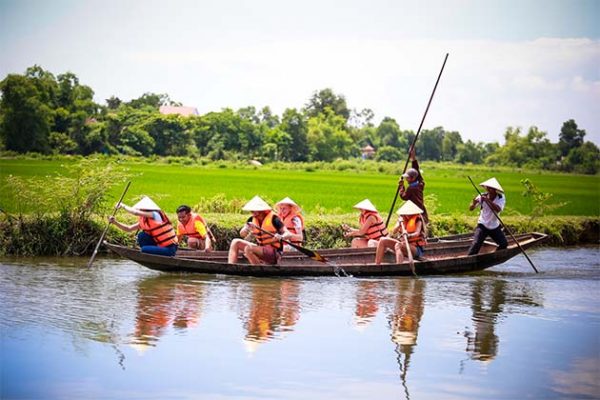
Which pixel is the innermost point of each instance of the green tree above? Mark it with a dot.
(25, 120)
(570, 137)
(326, 98)
(389, 153)
(469, 152)
(429, 145)
(388, 134)
(295, 125)
(327, 138)
(584, 159)
(450, 144)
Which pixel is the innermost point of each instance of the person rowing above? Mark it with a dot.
(371, 226)
(268, 230)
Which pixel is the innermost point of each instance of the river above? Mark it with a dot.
(120, 331)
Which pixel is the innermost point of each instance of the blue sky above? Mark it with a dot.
(512, 63)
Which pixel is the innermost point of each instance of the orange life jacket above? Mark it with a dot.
(162, 232)
(289, 224)
(378, 229)
(411, 227)
(189, 229)
(263, 238)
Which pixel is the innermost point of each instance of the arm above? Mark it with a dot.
(123, 227)
(363, 229)
(474, 203)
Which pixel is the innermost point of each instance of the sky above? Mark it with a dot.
(518, 63)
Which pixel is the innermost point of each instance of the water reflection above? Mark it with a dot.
(165, 302)
(404, 323)
(274, 308)
(367, 298)
(488, 299)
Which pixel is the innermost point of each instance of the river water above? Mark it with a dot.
(120, 331)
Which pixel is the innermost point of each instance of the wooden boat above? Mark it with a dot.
(446, 255)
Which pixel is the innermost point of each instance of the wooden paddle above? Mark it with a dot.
(506, 229)
(107, 226)
(412, 146)
(408, 252)
(310, 253)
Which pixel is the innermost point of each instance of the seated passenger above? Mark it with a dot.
(289, 213)
(411, 217)
(192, 229)
(267, 229)
(372, 227)
(157, 235)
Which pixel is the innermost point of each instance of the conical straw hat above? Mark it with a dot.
(256, 204)
(365, 205)
(492, 183)
(409, 208)
(289, 201)
(146, 203)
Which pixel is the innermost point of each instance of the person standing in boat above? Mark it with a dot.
(289, 213)
(412, 217)
(488, 224)
(267, 229)
(415, 185)
(372, 226)
(192, 229)
(157, 235)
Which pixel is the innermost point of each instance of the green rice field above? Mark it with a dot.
(320, 191)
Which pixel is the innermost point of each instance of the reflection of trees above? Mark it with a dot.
(404, 322)
(488, 299)
(274, 307)
(165, 302)
(367, 298)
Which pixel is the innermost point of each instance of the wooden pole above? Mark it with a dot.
(107, 226)
(310, 253)
(506, 228)
(387, 221)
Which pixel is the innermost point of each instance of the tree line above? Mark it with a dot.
(44, 113)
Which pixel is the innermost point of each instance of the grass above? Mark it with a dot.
(324, 191)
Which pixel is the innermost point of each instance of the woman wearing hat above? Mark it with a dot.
(488, 224)
(157, 235)
(411, 217)
(372, 227)
(289, 213)
(267, 229)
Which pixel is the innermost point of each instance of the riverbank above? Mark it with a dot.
(53, 235)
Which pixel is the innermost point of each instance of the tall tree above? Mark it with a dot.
(295, 125)
(24, 119)
(570, 137)
(326, 98)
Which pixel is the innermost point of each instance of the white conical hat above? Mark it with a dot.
(289, 201)
(492, 183)
(409, 208)
(146, 203)
(365, 205)
(256, 204)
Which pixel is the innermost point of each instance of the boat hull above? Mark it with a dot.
(443, 256)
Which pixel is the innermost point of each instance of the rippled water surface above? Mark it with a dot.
(120, 331)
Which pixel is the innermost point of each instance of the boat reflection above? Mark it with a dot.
(165, 302)
(404, 322)
(274, 308)
(488, 299)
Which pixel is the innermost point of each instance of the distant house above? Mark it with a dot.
(185, 111)
(367, 152)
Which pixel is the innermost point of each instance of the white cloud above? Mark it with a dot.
(487, 85)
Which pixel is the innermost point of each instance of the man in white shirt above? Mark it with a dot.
(488, 224)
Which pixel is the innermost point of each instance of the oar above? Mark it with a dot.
(408, 252)
(311, 253)
(506, 228)
(412, 146)
(107, 226)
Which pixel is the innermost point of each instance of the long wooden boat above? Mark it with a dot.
(446, 255)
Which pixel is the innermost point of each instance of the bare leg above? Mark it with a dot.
(194, 243)
(399, 249)
(359, 243)
(253, 254)
(382, 246)
(236, 246)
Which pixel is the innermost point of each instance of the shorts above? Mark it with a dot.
(420, 251)
(270, 255)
